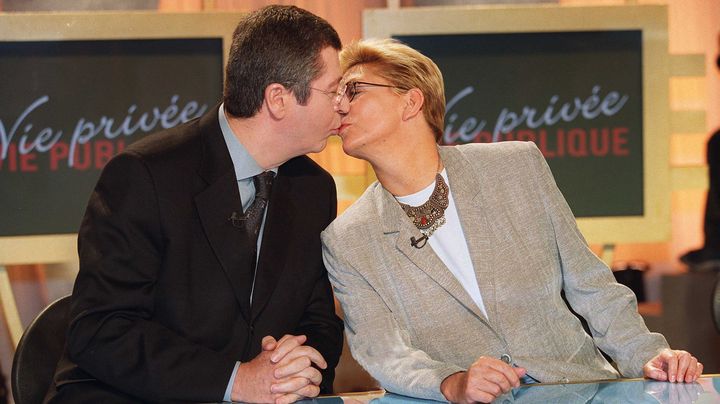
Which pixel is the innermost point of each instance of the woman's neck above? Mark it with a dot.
(406, 172)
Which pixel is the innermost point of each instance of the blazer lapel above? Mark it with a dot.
(398, 226)
(277, 235)
(215, 204)
(466, 191)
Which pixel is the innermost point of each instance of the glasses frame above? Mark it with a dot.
(343, 90)
(331, 94)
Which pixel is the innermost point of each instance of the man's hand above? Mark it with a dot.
(253, 380)
(673, 366)
(297, 378)
(282, 373)
(486, 380)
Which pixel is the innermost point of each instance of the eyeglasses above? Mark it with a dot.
(351, 89)
(331, 94)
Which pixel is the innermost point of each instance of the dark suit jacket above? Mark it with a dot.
(161, 305)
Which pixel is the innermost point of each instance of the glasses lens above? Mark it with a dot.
(351, 90)
(341, 93)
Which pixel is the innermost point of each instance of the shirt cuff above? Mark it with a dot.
(228, 390)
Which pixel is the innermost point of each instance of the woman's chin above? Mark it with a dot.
(349, 148)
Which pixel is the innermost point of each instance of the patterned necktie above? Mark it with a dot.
(254, 215)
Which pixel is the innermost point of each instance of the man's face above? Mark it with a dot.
(317, 120)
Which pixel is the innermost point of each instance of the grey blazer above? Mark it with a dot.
(410, 323)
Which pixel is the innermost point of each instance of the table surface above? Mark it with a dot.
(705, 390)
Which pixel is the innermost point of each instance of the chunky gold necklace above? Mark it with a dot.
(429, 216)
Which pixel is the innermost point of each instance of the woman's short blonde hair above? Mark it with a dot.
(404, 67)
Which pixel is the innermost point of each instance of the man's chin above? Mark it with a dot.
(320, 146)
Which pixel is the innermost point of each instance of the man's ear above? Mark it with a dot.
(414, 101)
(277, 100)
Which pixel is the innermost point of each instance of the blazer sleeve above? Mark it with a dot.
(319, 322)
(377, 341)
(609, 308)
(112, 335)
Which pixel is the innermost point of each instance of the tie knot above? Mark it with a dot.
(263, 184)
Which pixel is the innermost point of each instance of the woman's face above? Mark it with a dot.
(371, 118)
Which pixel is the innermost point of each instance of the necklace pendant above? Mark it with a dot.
(429, 216)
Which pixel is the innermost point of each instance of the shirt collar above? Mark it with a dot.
(245, 165)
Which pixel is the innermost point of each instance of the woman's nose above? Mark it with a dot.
(343, 106)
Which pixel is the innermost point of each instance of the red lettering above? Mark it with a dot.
(15, 161)
(577, 143)
(27, 162)
(560, 142)
(58, 152)
(620, 142)
(599, 142)
(82, 163)
(11, 158)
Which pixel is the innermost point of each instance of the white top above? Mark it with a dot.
(449, 243)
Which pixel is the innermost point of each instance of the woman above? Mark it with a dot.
(450, 268)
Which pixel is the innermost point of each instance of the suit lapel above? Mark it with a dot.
(466, 191)
(397, 225)
(215, 204)
(277, 235)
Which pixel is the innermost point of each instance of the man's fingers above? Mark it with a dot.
(268, 343)
(286, 344)
(311, 374)
(311, 353)
(305, 392)
(289, 336)
(287, 398)
(300, 367)
(310, 390)
(290, 368)
(289, 385)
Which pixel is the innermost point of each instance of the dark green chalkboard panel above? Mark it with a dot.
(67, 106)
(578, 95)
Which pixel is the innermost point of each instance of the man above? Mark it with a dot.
(708, 257)
(451, 269)
(175, 299)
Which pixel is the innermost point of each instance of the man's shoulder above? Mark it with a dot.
(183, 136)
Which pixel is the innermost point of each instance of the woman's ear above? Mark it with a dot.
(277, 99)
(414, 101)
